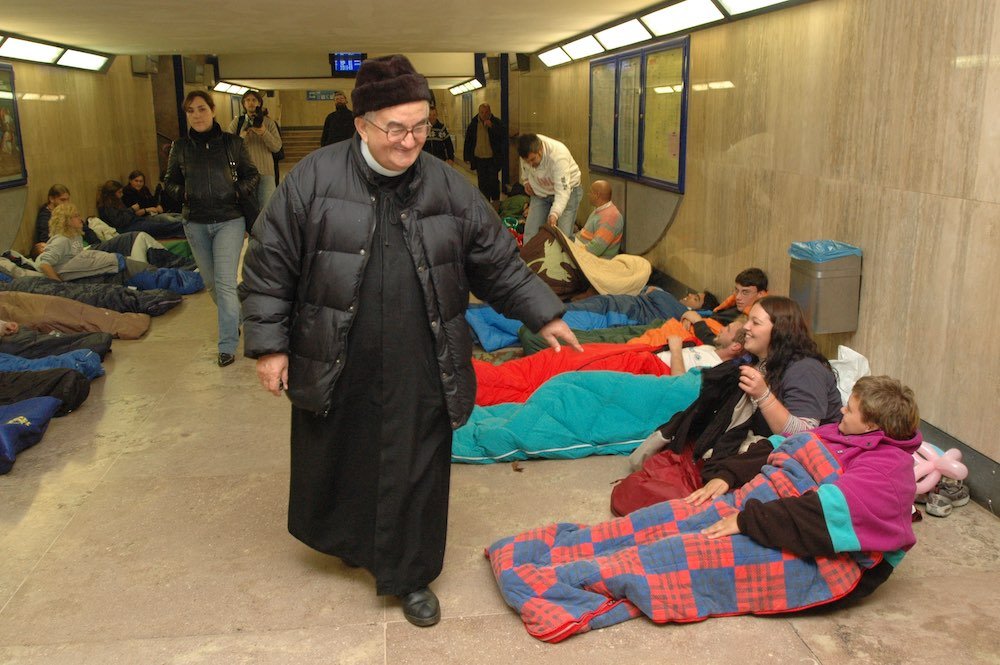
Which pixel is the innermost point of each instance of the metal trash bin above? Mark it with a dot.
(829, 292)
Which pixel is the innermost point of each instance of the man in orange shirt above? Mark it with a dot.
(602, 234)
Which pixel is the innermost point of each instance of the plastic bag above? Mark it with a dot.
(849, 366)
(819, 251)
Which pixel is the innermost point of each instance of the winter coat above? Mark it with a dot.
(198, 173)
(304, 265)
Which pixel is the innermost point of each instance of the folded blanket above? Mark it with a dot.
(569, 578)
(622, 274)
(575, 415)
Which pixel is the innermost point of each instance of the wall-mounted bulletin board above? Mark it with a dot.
(638, 114)
(12, 170)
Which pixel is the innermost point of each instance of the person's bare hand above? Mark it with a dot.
(9, 328)
(551, 220)
(556, 330)
(675, 343)
(272, 372)
(528, 189)
(712, 490)
(727, 526)
(752, 382)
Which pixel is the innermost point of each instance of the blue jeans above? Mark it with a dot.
(264, 190)
(538, 212)
(216, 248)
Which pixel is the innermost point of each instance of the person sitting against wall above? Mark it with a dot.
(785, 387)
(136, 195)
(58, 194)
(65, 259)
(112, 210)
(603, 231)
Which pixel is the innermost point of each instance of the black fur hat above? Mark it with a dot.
(388, 81)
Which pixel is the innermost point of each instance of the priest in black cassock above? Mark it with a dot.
(354, 290)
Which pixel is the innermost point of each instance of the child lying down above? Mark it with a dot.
(823, 516)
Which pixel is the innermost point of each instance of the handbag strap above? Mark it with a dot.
(232, 160)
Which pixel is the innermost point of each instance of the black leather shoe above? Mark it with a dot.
(421, 607)
(226, 359)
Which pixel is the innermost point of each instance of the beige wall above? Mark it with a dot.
(870, 123)
(101, 128)
(297, 111)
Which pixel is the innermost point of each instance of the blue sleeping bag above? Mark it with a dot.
(22, 425)
(84, 361)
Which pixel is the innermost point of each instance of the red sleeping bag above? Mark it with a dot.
(515, 380)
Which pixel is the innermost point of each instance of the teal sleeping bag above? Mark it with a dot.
(574, 415)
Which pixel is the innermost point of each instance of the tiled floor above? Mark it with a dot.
(148, 527)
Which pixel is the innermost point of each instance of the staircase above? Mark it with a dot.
(298, 142)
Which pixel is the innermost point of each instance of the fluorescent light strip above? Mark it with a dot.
(627, 33)
(583, 47)
(682, 16)
(22, 49)
(468, 86)
(222, 86)
(82, 60)
(554, 57)
(744, 6)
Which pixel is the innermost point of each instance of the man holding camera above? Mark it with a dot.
(261, 137)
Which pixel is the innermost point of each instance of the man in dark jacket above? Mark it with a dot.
(355, 285)
(339, 125)
(486, 149)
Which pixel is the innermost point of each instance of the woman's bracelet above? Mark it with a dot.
(764, 405)
(756, 402)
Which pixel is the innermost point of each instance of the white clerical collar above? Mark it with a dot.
(602, 207)
(375, 166)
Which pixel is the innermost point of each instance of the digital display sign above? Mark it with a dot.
(346, 64)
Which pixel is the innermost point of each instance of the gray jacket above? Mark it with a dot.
(305, 261)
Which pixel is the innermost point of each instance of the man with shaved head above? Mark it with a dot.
(602, 234)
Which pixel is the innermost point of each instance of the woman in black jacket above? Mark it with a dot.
(210, 171)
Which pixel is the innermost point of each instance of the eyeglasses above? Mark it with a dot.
(397, 133)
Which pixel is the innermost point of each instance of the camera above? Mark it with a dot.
(256, 119)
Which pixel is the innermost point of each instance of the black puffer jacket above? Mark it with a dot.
(198, 174)
(308, 252)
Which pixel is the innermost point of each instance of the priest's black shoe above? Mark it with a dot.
(421, 607)
(226, 359)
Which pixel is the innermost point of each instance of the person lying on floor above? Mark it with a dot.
(727, 345)
(515, 380)
(751, 286)
(821, 517)
(64, 258)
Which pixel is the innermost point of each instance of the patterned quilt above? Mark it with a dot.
(569, 578)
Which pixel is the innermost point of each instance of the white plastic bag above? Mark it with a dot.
(849, 366)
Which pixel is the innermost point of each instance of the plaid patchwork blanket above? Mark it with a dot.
(570, 578)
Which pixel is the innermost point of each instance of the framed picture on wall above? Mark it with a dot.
(12, 170)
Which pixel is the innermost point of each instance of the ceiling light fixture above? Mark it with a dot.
(554, 57)
(22, 49)
(682, 16)
(744, 6)
(82, 60)
(18, 47)
(583, 47)
(468, 86)
(624, 34)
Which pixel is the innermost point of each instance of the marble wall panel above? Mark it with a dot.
(98, 127)
(873, 123)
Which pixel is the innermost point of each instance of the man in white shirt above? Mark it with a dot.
(728, 346)
(551, 178)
